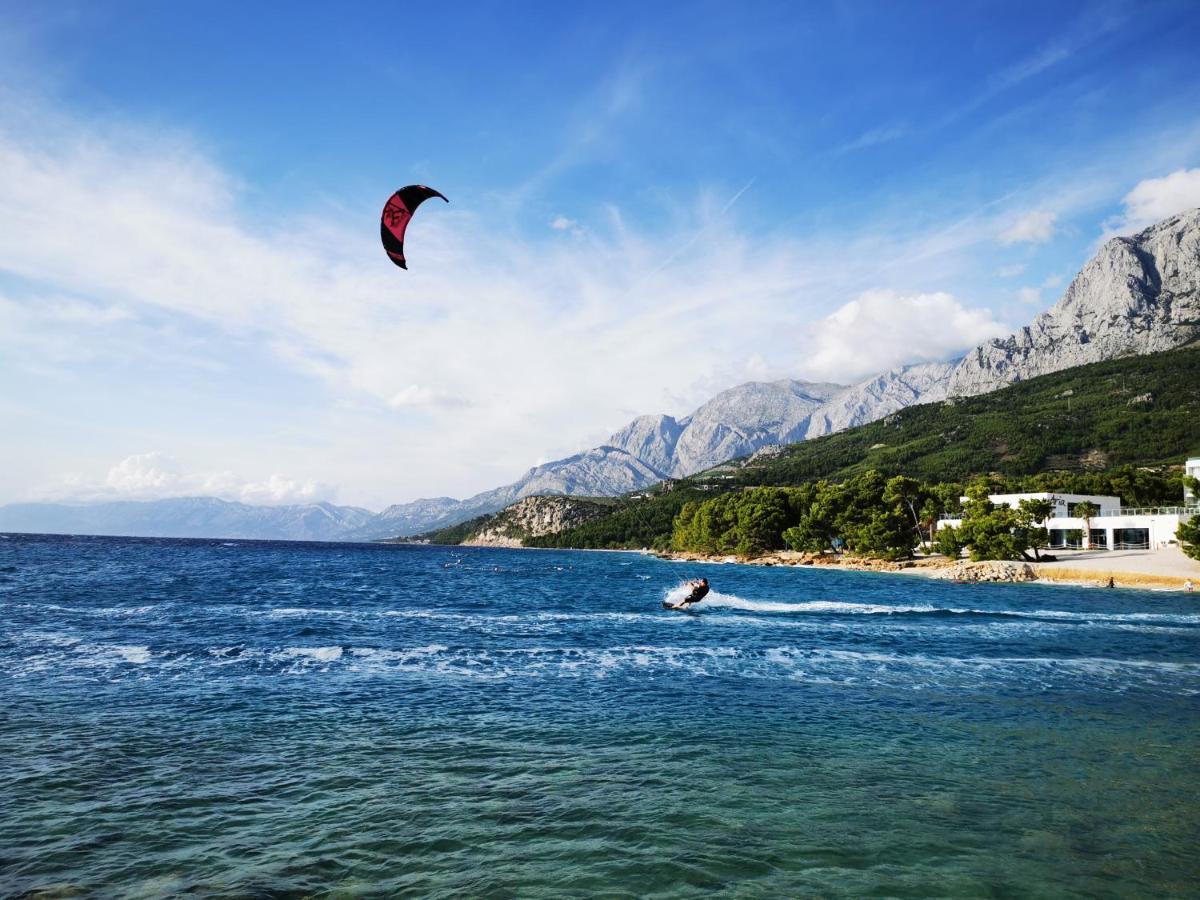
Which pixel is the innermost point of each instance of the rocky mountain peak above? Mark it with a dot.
(1138, 294)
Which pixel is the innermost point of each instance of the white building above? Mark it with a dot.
(1113, 528)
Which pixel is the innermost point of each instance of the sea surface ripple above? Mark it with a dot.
(268, 719)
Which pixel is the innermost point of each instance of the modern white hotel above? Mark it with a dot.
(1114, 527)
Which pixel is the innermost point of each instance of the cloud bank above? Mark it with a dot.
(882, 329)
(156, 475)
(1157, 198)
(1034, 227)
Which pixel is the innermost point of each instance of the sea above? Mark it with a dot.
(268, 719)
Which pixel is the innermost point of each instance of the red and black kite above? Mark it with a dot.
(394, 221)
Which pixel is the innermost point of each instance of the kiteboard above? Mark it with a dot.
(679, 607)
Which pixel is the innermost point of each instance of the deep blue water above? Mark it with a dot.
(273, 719)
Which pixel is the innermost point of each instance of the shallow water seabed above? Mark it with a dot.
(264, 718)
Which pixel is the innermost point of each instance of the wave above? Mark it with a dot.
(730, 601)
(814, 665)
(132, 654)
(320, 654)
(716, 600)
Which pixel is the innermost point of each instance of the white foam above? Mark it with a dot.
(118, 610)
(717, 600)
(135, 655)
(407, 654)
(813, 606)
(284, 612)
(321, 654)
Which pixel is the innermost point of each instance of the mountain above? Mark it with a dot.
(1121, 427)
(880, 396)
(186, 517)
(409, 518)
(648, 450)
(601, 471)
(1137, 295)
(733, 423)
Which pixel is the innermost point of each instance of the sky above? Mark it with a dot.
(649, 203)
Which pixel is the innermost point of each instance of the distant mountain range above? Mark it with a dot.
(187, 517)
(1137, 295)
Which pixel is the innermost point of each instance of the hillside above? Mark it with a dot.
(1142, 411)
(534, 517)
(1090, 427)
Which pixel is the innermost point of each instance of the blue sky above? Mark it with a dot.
(647, 205)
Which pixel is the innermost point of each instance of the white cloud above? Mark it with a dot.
(1011, 271)
(882, 329)
(281, 489)
(493, 348)
(1032, 296)
(1034, 227)
(156, 475)
(144, 473)
(562, 223)
(1155, 199)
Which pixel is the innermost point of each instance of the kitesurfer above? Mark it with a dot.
(699, 592)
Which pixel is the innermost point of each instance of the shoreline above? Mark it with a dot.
(1158, 570)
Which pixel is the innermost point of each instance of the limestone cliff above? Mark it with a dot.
(534, 517)
(1137, 295)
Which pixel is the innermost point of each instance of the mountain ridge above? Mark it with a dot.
(186, 517)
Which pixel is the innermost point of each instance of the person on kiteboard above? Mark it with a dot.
(699, 591)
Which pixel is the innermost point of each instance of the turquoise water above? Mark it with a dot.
(269, 719)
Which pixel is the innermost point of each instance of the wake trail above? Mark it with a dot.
(718, 600)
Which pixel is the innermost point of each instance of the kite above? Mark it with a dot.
(394, 221)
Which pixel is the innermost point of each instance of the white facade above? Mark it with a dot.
(1064, 504)
(1113, 528)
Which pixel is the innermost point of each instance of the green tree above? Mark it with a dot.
(910, 496)
(1191, 486)
(683, 533)
(989, 531)
(747, 523)
(1030, 529)
(873, 520)
(815, 530)
(1189, 537)
(760, 517)
(948, 542)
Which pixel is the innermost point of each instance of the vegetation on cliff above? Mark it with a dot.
(1139, 411)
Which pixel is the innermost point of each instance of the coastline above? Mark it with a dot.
(1166, 569)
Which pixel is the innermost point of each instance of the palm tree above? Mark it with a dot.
(1085, 511)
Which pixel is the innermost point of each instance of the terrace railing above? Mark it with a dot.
(1148, 511)
(1114, 513)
